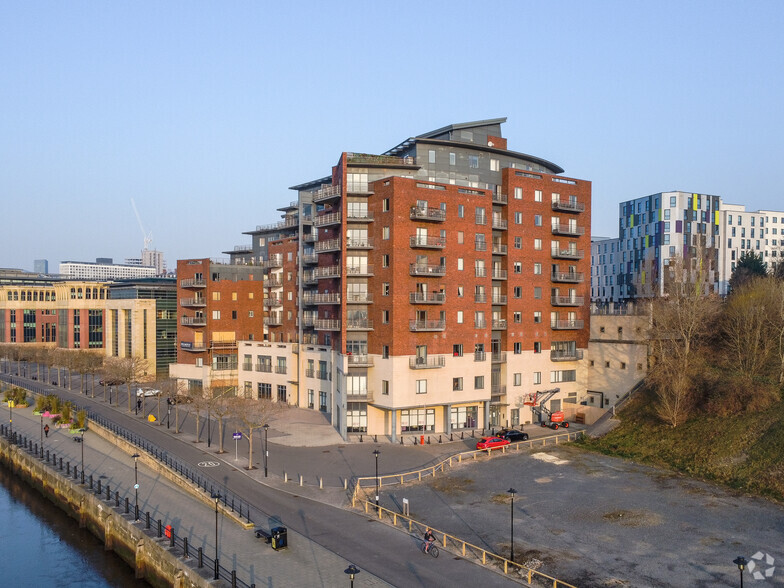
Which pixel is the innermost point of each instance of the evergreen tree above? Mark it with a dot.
(750, 266)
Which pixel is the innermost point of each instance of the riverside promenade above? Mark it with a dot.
(323, 539)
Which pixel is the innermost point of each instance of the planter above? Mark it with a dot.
(63, 425)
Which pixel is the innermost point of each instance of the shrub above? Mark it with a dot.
(53, 403)
(40, 403)
(65, 413)
(81, 419)
(20, 396)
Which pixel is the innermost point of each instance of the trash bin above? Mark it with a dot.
(279, 539)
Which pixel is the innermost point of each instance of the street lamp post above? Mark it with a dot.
(352, 571)
(42, 432)
(512, 491)
(82, 430)
(216, 497)
(11, 418)
(266, 452)
(741, 562)
(209, 432)
(136, 457)
(168, 412)
(376, 452)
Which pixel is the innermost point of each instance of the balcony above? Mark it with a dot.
(568, 253)
(499, 274)
(333, 218)
(318, 374)
(499, 198)
(321, 298)
(270, 302)
(327, 324)
(480, 324)
(480, 355)
(498, 357)
(359, 216)
(360, 360)
(309, 276)
(273, 262)
(480, 272)
(499, 299)
(427, 363)
(310, 258)
(565, 229)
(417, 326)
(329, 245)
(310, 237)
(359, 298)
(425, 242)
(499, 324)
(193, 283)
(480, 298)
(568, 277)
(326, 193)
(359, 243)
(193, 302)
(428, 214)
(359, 325)
(499, 249)
(568, 206)
(273, 283)
(326, 272)
(422, 269)
(280, 369)
(480, 245)
(192, 347)
(273, 320)
(193, 321)
(363, 396)
(499, 224)
(264, 368)
(383, 160)
(427, 298)
(566, 355)
(565, 325)
(480, 219)
(567, 300)
(359, 271)
(308, 320)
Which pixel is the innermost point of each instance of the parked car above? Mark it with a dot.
(181, 399)
(513, 435)
(111, 382)
(147, 392)
(491, 442)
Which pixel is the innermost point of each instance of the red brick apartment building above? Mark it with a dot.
(218, 304)
(435, 287)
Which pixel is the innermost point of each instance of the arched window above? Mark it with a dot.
(73, 293)
(88, 293)
(79, 294)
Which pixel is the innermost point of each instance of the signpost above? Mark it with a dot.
(237, 437)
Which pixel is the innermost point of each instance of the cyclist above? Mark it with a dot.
(429, 539)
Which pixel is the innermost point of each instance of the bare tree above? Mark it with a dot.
(775, 303)
(129, 370)
(252, 415)
(93, 364)
(680, 321)
(221, 406)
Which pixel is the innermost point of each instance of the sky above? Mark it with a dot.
(204, 113)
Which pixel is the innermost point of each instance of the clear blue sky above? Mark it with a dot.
(206, 112)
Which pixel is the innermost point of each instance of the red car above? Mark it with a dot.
(491, 442)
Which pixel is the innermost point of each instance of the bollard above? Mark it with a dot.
(147, 520)
(185, 545)
(171, 538)
(108, 493)
(428, 439)
(461, 434)
(300, 479)
(201, 558)
(439, 438)
(136, 512)
(98, 491)
(321, 483)
(285, 477)
(127, 505)
(160, 528)
(67, 465)
(117, 499)
(415, 440)
(91, 480)
(233, 578)
(360, 439)
(401, 440)
(345, 483)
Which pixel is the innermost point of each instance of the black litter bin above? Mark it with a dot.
(279, 539)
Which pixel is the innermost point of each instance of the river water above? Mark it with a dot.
(42, 546)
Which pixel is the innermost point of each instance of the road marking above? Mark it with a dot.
(549, 458)
(209, 464)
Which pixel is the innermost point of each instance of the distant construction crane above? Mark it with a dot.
(145, 235)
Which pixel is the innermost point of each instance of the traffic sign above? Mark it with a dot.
(237, 436)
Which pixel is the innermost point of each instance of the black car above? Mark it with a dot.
(512, 435)
(111, 382)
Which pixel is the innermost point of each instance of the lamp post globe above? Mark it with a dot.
(741, 562)
(351, 571)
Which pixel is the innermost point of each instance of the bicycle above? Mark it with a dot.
(433, 550)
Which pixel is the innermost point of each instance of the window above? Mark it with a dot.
(479, 216)
(459, 317)
(518, 267)
(495, 165)
(457, 383)
(518, 218)
(518, 348)
(518, 317)
(281, 393)
(623, 365)
(537, 316)
(323, 401)
(537, 196)
(538, 244)
(460, 237)
(538, 220)
(537, 269)
(431, 156)
(537, 292)
(452, 159)
(385, 233)
(457, 350)
(473, 161)
(385, 352)
(264, 391)
(518, 242)
(385, 260)
(460, 264)
(460, 211)
(421, 386)
(250, 295)
(385, 289)
(479, 382)
(518, 193)
(518, 379)
(216, 295)
(385, 387)
(537, 347)
(234, 314)
(385, 205)
(234, 294)
(518, 292)
(385, 317)
(563, 376)
(216, 315)
(459, 291)
(537, 378)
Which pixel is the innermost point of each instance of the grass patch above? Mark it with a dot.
(744, 451)
(452, 486)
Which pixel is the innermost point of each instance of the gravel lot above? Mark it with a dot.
(597, 521)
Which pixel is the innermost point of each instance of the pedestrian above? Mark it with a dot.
(46, 431)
